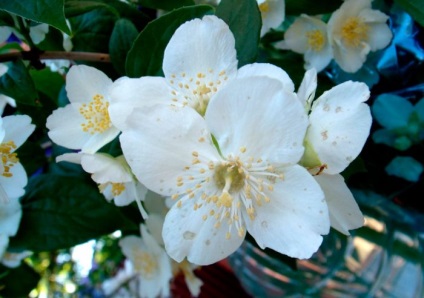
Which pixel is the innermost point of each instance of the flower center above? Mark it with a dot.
(145, 263)
(117, 188)
(264, 7)
(354, 31)
(96, 115)
(8, 158)
(316, 40)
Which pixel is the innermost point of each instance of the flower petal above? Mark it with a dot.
(84, 82)
(10, 216)
(257, 114)
(200, 50)
(308, 86)
(350, 59)
(339, 125)
(17, 129)
(268, 70)
(127, 94)
(14, 186)
(187, 234)
(295, 218)
(380, 36)
(273, 16)
(161, 141)
(345, 214)
(105, 168)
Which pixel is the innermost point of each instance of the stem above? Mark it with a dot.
(96, 57)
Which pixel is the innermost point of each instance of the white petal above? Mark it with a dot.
(306, 92)
(14, 186)
(5, 32)
(4, 239)
(268, 70)
(339, 125)
(10, 216)
(70, 157)
(274, 16)
(318, 59)
(373, 16)
(84, 82)
(345, 214)
(127, 94)
(350, 59)
(258, 114)
(105, 168)
(295, 218)
(161, 141)
(186, 234)
(379, 37)
(200, 48)
(18, 128)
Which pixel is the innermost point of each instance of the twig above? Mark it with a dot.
(56, 55)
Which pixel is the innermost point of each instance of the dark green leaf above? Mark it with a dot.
(131, 12)
(166, 4)
(146, 55)
(5, 18)
(32, 157)
(74, 7)
(297, 7)
(17, 282)
(405, 167)
(17, 83)
(244, 19)
(62, 211)
(43, 11)
(123, 35)
(48, 82)
(415, 8)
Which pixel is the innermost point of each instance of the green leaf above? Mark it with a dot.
(123, 35)
(17, 282)
(42, 11)
(392, 111)
(48, 82)
(74, 7)
(146, 55)
(17, 83)
(244, 19)
(297, 7)
(415, 8)
(62, 211)
(405, 167)
(166, 4)
(32, 157)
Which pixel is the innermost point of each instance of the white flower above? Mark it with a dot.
(250, 182)
(198, 60)
(150, 262)
(10, 217)
(124, 275)
(38, 32)
(4, 100)
(340, 122)
(5, 33)
(13, 260)
(308, 36)
(272, 12)
(85, 122)
(14, 130)
(354, 30)
(113, 176)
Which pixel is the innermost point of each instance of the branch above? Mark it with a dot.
(29, 55)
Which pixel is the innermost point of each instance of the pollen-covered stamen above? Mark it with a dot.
(264, 7)
(197, 88)
(145, 263)
(96, 115)
(354, 31)
(8, 158)
(316, 40)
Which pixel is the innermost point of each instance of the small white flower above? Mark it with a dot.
(249, 182)
(84, 124)
(199, 59)
(308, 36)
(150, 262)
(14, 130)
(5, 33)
(10, 217)
(38, 32)
(113, 176)
(340, 122)
(13, 260)
(5, 100)
(273, 13)
(354, 30)
(124, 275)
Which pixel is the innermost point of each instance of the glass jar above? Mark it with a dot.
(384, 258)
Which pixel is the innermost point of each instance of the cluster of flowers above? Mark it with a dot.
(229, 150)
(351, 33)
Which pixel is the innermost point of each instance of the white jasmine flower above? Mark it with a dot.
(124, 275)
(14, 130)
(38, 32)
(84, 123)
(354, 30)
(13, 260)
(198, 60)
(249, 181)
(340, 122)
(10, 217)
(308, 36)
(150, 262)
(5, 100)
(113, 175)
(273, 13)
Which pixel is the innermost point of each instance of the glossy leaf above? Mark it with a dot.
(297, 7)
(244, 19)
(17, 83)
(62, 211)
(166, 4)
(405, 167)
(415, 8)
(43, 11)
(146, 55)
(75, 8)
(123, 35)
